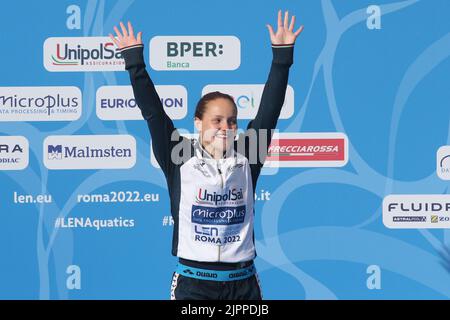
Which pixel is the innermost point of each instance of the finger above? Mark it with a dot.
(114, 40)
(286, 19)
(298, 31)
(130, 29)
(119, 35)
(272, 34)
(291, 26)
(280, 23)
(124, 30)
(139, 37)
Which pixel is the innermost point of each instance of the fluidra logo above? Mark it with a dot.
(12, 150)
(416, 211)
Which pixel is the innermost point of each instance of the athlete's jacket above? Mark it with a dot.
(212, 201)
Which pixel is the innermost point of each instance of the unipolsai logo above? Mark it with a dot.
(14, 153)
(82, 54)
(232, 194)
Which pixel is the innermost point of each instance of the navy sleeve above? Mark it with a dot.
(163, 133)
(270, 107)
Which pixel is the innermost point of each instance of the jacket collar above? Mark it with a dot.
(201, 152)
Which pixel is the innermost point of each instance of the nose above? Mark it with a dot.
(226, 126)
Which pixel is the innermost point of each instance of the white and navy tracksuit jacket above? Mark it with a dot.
(212, 201)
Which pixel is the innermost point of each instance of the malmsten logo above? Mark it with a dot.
(90, 152)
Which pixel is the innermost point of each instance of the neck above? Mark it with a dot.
(214, 153)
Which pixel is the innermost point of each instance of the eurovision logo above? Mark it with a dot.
(118, 103)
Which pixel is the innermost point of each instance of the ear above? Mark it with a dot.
(198, 124)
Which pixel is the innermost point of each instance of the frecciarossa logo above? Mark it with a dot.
(82, 54)
(206, 197)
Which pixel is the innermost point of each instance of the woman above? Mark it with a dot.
(211, 181)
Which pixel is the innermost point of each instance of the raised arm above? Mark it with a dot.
(275, 88)
(160, 125)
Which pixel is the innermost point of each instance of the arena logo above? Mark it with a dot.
(443, 163)
(118, 103)
(414, 211)
(321, 149)
(179, 53)
(82, 54)
(205, 197)
(14, 152)
(248, 98)
(40, 103)
(90, 152)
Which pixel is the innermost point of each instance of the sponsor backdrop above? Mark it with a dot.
(352, 203)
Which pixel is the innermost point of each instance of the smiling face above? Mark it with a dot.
(218, 126)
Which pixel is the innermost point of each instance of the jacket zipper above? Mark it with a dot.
(221, 186)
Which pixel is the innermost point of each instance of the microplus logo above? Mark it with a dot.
(90, 152)
(82, 54)
(118, 103)
(248, 97)
(14, 153)
(180, 53)
(218, 215)
(40, 103)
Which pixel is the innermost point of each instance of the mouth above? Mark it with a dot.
(221, 136)
(224, 136)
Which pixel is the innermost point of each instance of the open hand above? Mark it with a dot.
(285, 34)
(126, 38)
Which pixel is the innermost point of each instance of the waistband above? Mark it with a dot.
(216, 275)
(215, 265)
